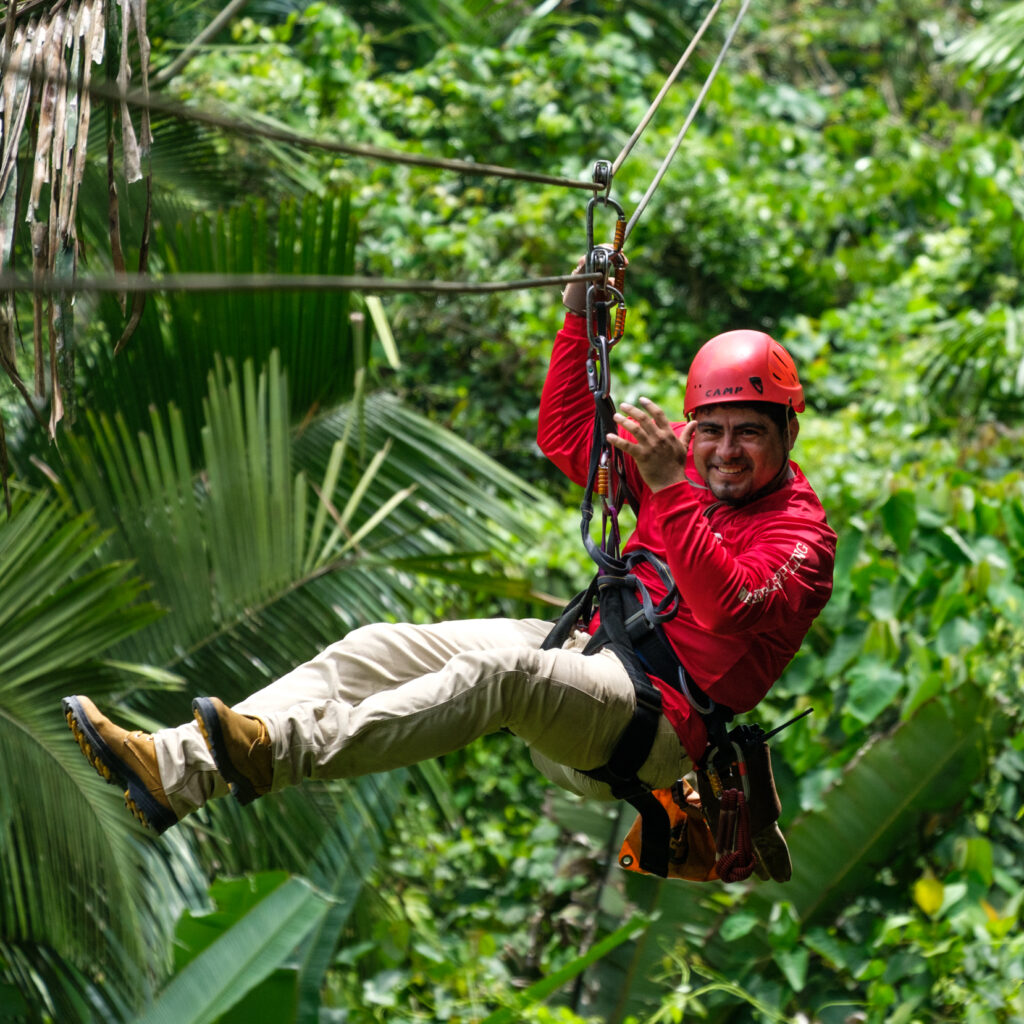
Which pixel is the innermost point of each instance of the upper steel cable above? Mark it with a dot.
(155, 103)
(656, 102)
(642, 205)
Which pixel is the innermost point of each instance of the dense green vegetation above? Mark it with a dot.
(848, 186)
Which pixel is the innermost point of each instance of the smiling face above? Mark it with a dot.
(738, 450)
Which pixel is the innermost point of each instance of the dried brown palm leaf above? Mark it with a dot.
(47, 54)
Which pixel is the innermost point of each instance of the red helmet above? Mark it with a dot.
(742, 366)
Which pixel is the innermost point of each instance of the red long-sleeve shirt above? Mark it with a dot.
(751, 578)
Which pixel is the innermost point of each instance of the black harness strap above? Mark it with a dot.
(631, 628)
(631, 751)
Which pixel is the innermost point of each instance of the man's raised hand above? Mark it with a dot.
(659, 453)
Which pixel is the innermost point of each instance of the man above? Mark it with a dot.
(719, 501)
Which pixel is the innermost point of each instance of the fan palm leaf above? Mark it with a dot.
(995, 49)
(181, 335)
(975, 364)
(254, 566)
(257, 569)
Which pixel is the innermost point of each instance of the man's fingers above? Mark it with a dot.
(622, 443)
(654, 410)
(647, 415)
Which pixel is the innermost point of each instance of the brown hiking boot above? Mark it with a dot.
(125, 758)
(240, 745)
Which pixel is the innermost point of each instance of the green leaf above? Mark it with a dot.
(928, 761)
(233, 898)
(975, 855)
(241, 958)
(739, 924)
(64, 835)
(542, 989)
(873, 687)
(899, 516)
(793, 964)
(383, 329)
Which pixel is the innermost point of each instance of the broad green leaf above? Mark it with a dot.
(241, 958)
(899, 515)
(233, 898)
(793, 963)
(873, 688)
(923, 763)
(928, 761)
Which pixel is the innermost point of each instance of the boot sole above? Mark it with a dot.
(137, 797)
(209, 725)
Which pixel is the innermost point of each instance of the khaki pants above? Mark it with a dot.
(387, 696)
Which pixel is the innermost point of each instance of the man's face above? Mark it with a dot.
(738, 450)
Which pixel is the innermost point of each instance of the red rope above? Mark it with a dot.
(736, 855)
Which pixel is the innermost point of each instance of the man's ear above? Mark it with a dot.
(794, 429)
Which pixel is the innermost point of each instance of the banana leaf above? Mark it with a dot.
(926, 764)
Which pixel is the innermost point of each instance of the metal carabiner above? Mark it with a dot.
(604, 201)
(598, 370)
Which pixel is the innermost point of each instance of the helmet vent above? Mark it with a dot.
(782, 370)
(757, 384)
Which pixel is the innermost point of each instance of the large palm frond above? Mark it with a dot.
(256, 572)
(995, 50)
(182, 334)
(65, 847)
(975, 365)
(257, 568)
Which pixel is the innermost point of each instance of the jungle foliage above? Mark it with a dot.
(853, 186)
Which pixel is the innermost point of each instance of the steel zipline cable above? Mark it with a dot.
(656, 102)
(127, 283)
(250, 127)
(712, 74)
(54, 284)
